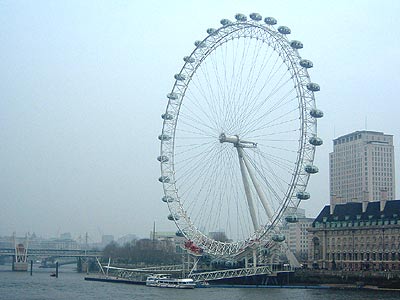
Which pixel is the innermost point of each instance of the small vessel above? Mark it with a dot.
(165, 281)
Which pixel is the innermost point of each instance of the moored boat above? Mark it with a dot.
(165, 281)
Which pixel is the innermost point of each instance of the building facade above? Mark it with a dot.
(361, 167)
(169, 239)
(34, 242)
(295, 231)
(356, 236)
(296, 235)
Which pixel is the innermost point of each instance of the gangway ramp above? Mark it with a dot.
(231, 273)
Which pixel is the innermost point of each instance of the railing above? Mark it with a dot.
(162, 268)
(231, 273)
(156, 269)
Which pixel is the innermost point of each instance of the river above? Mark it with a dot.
(72, 286)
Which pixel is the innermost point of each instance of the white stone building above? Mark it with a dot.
(361, 167)
(296, 234)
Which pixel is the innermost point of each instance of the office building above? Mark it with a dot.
(362, 167)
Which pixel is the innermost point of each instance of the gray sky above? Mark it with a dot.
(83, 85)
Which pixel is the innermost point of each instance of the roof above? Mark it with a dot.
(362, 132)
(349, 212)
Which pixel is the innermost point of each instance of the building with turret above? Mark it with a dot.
(357, 236)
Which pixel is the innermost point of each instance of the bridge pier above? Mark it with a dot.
(86, 265)
(20, 262)
(79, 265)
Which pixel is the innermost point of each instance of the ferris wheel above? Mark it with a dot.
(239, 135)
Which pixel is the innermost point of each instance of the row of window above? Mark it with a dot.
(364, 232)
(363, 256)
(379, 151)
(373, 239)
(351, 138)
(372, 222)
(359, 247)
(347, 139)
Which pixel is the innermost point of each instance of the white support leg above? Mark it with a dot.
(254, 258)
(249, 198)
(257, 186)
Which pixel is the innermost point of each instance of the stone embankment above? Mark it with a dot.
(370, 279)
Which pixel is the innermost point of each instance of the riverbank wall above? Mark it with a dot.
(390, 280)
(308, 277)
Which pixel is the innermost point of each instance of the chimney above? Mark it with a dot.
(365, 201)
(333, 203)
(383, 199)
(364, 205)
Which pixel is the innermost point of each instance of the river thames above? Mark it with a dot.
(72, 286)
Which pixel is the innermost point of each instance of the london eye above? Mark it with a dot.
(239, 136)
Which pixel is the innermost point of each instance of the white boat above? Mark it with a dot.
(165, 281)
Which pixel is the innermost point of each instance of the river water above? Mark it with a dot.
(72, 286)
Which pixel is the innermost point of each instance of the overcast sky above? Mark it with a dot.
(83, 85)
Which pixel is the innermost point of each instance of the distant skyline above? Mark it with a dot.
(83, 85)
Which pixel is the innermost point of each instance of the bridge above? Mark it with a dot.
(20, 256)
(53, 252)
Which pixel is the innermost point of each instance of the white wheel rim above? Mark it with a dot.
(267, 103)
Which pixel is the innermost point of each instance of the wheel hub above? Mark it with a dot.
(236, 141)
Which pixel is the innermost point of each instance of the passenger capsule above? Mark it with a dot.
(291, 219)
(179, 233)
(305, 63)
(278, 238)
(164, 179)
(241, 17)
(265, 251)
(225, 22)
(311, 169)
(199, 44)
(162, 158)
(164, 137)
(172, 217)
(316, 113)
(172, 96)
(284, 30)
(270, 21)
(180, 77)
(255, 17)
(230, 264)
(189, 59)
(302, 195)
(316, 141)
(296, 44)
(313, 87)
(167, 199)
(167, 116)
(211, 30)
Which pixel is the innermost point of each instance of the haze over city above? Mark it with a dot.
(83, 85)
